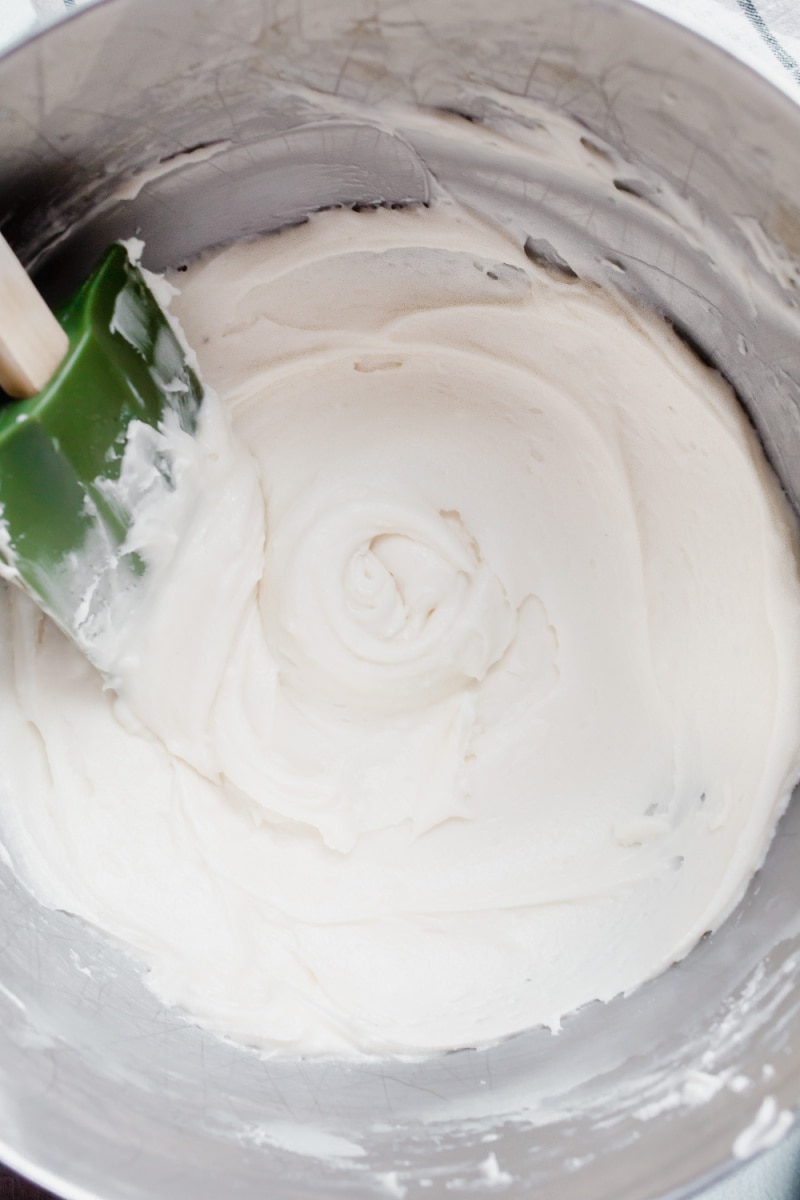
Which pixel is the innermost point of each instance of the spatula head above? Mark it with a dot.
(63, 523)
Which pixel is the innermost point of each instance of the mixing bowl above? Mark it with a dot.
(194, 122)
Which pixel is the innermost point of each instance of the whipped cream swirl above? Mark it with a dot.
(470, 693)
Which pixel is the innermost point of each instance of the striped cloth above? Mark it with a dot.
(765, 33)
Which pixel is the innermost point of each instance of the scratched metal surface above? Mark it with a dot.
(103, 1092)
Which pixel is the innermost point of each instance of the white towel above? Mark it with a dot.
(764, 33)
(16, 16)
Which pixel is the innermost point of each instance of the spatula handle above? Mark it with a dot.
(32, 343)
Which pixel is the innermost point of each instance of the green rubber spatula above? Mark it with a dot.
(75, 383)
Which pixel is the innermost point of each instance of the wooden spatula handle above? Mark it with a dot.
(32, 343)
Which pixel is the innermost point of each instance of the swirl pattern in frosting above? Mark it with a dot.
(470, 694)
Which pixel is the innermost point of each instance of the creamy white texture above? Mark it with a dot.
(470, 693)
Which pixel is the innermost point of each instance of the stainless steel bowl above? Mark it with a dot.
(105, 1094)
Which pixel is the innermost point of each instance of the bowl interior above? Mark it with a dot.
(194, 124)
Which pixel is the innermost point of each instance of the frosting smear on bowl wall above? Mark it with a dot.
(470, 693)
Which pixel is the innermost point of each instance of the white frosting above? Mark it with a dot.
(469, 694)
